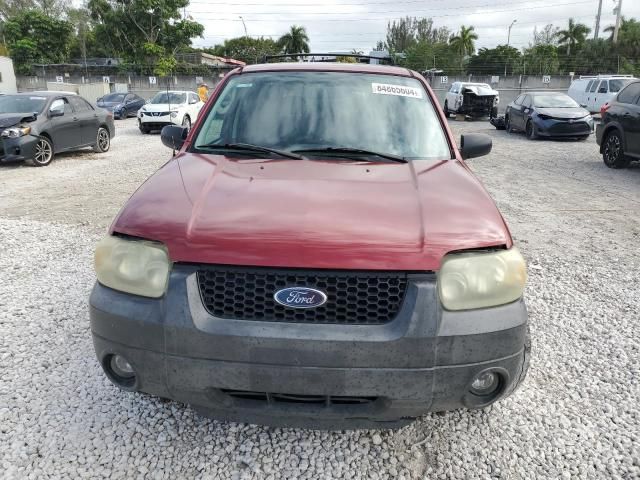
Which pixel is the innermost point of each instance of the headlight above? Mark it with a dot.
(174, 114)
(16, 132)
(496, 101)
(133, 266)
(481, 279)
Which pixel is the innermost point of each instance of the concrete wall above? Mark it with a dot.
(509, 87)
(140, 85)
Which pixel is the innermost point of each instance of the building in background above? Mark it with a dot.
(7, 76)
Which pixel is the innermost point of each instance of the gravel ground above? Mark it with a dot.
(576, 416)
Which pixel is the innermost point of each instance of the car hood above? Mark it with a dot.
(160, 107)
(563, 113)
(11, 119)
(313, 214)
(481, 91)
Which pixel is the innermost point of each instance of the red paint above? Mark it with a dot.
(312, 213)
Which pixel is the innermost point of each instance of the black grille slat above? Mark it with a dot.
(353, 297)
(304, 399)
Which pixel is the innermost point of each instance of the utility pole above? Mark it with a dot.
(618, 12)
(597, 29)
(506, 60)
(245, 27)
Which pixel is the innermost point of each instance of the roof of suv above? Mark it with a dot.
(328, 67)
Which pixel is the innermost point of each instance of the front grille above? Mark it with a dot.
(156, 114)
(353, 298)
(286, 398)
(573, 127)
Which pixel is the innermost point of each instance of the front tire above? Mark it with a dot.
(507, 124)
(186, 122)
(531, 130)
(103, 141)
(446, 109)
(613, 153)
(43, 153)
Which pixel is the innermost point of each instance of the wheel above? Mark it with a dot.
(494, 112)
(613, 153)
(43, 153)
(103, 141)
(507, 124)
(531, 130)
(186, 122)
(143, 129)
(446, 109)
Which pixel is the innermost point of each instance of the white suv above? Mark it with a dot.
(472, 99)
(174, 107)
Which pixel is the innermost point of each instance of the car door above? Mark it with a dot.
(600, 96)
(87, 120)
(631, 121)
(194, 105)
(63, 127)
(450, 97)
(515, 112)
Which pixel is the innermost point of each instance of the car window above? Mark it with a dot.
(170, 97)
(554, 101)
(518, 101)
(114, 97)
(307, 110)
(603, 87)
(193, 98)
(79, 104)
(589, 85)
(630, 93)
(594, 86)
(61, 102)
(527, 101)
(618, 84)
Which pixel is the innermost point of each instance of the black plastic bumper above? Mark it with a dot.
(315, 376)
(18, 149)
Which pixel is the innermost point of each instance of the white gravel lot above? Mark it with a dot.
(576, 416)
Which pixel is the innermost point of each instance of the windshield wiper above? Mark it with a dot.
(348, 151)
(249, 148)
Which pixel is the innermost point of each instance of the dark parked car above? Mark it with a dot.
(618, 134)
(123, 105)
(549, 115)
(35, 126)
(317, 254)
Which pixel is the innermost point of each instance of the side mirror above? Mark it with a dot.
(474, 145)
(173, 136)
(56, 113)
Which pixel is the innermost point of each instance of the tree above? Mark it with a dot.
(145, 32)
(464, 41)
(541, 59)
(400, 34)
(574, 35)
(33, 37)
(52, 8)
(247, 49)
(295, 40)
(489, 61)
(547, 36)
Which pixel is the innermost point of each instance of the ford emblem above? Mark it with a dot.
(300, 297)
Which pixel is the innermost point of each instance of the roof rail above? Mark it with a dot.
(323, 56)
(606, 75)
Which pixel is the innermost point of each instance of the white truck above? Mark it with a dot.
(472, 99)
(593, 91)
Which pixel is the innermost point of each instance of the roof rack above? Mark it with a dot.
(605, 75)
(389, 59)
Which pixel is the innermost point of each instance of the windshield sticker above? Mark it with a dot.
(398, 90)
(244, 85)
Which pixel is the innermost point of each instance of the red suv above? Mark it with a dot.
(316, 254)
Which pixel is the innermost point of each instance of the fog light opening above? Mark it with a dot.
(485, 384)
(120, 371)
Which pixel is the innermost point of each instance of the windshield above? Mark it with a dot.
(114, 97)
(171, 97)
(554, 101)
(317, 110)
(22, 104)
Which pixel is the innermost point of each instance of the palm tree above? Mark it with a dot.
(575, 34)
(294, 41)
(463, 42)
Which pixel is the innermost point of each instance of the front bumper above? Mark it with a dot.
(554, 128)
(17, 149)
(157, 122)
(309, 375)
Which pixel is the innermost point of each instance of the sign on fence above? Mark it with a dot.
(495, 79)
(106, 80)
(546, 79)
(153, 80)
(59, 79)
(444, 79)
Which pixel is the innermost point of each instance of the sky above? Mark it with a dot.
(345, 25)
